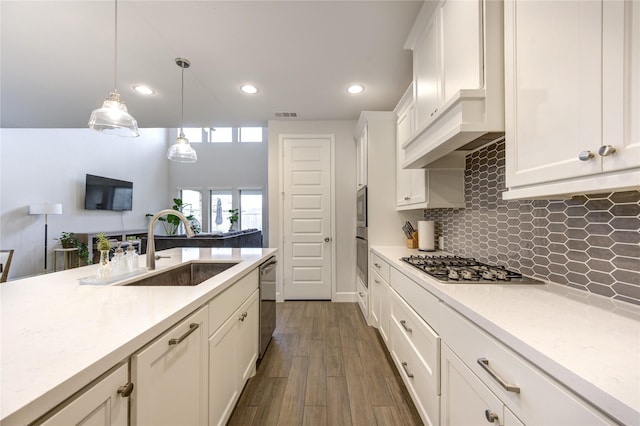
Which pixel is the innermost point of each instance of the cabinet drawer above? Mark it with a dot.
(420, 381)
(380, 266)
(224, 304)
(540, 400)
(422, 338)
(363, 299)
(424, 303)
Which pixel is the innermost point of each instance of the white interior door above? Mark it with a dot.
(307, 227)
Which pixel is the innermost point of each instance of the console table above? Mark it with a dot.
(91, 239)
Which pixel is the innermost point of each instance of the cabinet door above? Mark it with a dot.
(99, 405)
(426, 72)
(410, 183)
(462, 53)
(170, 376)
(553, 81)
(385, 312)
(621, 84)
(465, 400)
(363, 298)
(375, 290)
(233, 352)
(361, 158)
(247, 350)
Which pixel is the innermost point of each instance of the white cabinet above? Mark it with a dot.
(362, 142)
(170, 376)
(457, 78)
(439, 186)
(494, 376)
(379, 291)
(363, 298)
(233, 352)
(103, 403)
(465, 400)
(572, 97)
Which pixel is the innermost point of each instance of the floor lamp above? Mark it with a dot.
(46, 210)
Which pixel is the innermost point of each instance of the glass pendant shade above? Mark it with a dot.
(113, 118)
(181, 151)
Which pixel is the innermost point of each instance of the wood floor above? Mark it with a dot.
(324, 366)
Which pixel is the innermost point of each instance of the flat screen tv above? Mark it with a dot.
(103, 193)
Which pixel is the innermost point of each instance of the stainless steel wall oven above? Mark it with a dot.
(362, 245)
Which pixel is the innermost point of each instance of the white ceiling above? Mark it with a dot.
(57, 59)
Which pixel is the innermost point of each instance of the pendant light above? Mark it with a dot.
(113, 118)
(181, 151)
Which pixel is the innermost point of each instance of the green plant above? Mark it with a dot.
(171, 222)
(233, 217)
(70, 240)
(104, 243)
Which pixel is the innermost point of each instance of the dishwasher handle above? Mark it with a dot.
(266, 267)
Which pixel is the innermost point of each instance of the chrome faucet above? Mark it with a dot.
(151, 243)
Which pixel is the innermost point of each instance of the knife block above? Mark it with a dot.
(413, 242)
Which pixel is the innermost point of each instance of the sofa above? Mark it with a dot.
(233, 239)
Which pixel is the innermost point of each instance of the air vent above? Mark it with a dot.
(286, 114)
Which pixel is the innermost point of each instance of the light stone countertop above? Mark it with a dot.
(58, 336)
(585, 341)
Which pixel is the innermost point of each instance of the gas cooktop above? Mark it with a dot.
(463, 270)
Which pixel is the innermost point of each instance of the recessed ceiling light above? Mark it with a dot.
(145, 90)
(249, 89)
(354, 89)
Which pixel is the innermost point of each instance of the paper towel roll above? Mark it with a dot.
(426, 235)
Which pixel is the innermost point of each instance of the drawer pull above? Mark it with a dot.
(126, 390)
(192, 327)
(376, 265)
(404, 325)
(484, 363)
(491, 416)
(406, 371)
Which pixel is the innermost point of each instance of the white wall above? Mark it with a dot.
(345, 177)
(223, 166)
(49, 165)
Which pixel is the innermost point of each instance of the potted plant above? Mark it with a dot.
(70, 240)
(104, 245)
(233, 218)
(171, 223)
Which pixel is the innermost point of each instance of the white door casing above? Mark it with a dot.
(307, 216)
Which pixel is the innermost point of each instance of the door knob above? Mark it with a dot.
(606, 150)
(327, 239)
(585, 155)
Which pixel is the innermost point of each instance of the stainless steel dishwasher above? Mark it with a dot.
(267, 303)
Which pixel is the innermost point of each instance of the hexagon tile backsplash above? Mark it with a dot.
(590, 242)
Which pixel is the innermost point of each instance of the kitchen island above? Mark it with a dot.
(58, 336)
(583, 348)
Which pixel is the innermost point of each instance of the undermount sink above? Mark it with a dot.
(185, 275)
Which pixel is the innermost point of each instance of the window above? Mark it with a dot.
(221, 134)
(191, 205)
(221, 203)
(250, 134)
(195, 134)
(250, 209)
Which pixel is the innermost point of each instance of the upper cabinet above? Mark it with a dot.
(572, 97)
(440, 186)
(458, 84)
(362, 141)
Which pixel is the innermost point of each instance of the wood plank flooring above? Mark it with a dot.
(324, 366)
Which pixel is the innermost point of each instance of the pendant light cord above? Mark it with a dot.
(115, 43)
(182, 104)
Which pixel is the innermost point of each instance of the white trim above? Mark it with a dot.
(332, 147)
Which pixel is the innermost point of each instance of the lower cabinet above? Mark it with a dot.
(233, 352)
(363, 298)
(465, 400)
(170, 376)
(104, 403)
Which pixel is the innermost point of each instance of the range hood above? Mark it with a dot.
(461, 124)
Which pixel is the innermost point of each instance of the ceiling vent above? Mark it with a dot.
(286, 114)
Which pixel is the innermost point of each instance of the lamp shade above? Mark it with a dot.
(182, 151)
(113, 118)
(45, 208)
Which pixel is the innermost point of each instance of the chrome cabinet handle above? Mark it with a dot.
(243, 316)
(376, 281)
(404, 325)
(407, 198)
(376, 265)
(491, 416)
(406, 371)
(586, 155)
(361, 294)
(326, 240)
(126, 390)
(192, 327)
(606, 150)
(484, 363)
